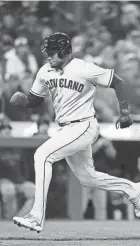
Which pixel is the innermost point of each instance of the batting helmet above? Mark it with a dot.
(58, 42)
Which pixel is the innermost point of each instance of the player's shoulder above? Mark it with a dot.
(82, 63)
(79, 65)
(85, 67)
(78, 62)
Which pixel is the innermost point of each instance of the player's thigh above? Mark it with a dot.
(82, 165)
(69, 140)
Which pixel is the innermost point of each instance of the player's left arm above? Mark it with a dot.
(118, 85)
(107, 78)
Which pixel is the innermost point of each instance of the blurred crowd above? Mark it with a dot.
(111, 38)
(104, 32)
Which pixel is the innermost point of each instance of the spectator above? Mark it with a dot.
(130, 18)
(20, 63)
(134, 38)
(7, 42)
(105, 36)
(99, 41)
(123, 48)
(31, 29)
(16, 189)
(107, 14)
(79, 44)
(9, 25)
(46, 31)
(19, 71)
(107, 59)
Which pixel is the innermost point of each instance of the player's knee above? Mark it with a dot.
(84, 181)
(39, 155)
(87, 181)
(36, 154)
(7, 188)
(42, 156)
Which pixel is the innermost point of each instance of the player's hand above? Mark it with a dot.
(18, 99)
(124, 121)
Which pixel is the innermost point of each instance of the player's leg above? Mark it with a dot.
(66, 142)
(99, 199)
(81, 164)
(8, 198)
(26, 192)
(86, 196)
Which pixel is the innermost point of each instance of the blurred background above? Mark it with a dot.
(106, 33)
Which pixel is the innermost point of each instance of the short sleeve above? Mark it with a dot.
(98, 75)
(39, 88)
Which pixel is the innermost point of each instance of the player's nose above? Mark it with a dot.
(49, 59)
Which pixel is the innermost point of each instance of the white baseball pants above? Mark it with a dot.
(72, 142)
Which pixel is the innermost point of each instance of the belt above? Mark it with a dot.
(70, 122)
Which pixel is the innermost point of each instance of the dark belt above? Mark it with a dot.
(70, 122)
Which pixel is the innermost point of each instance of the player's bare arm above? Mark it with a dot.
(30, 100)
(119, 86)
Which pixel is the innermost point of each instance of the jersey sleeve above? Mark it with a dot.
(39, 88)
(98, 75)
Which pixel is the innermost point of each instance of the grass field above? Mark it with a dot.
(81, 233)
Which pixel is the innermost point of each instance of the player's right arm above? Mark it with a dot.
(19, 99)
(35, 96)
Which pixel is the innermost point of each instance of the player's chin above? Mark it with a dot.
(52, 63)
(53, 66)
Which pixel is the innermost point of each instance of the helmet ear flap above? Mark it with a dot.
(65, 49)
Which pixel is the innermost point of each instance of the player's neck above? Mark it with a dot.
(66, 62)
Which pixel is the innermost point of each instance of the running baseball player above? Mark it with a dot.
(72, 83)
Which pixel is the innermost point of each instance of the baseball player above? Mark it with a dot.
(72, 85)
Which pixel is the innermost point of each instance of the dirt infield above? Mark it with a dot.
(81, 233)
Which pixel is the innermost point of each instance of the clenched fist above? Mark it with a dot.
(19, 99)
(124, 121)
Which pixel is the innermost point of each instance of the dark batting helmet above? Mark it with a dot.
(57, 42)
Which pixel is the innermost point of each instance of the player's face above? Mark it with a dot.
(54, 60)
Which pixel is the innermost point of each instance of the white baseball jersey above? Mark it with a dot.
(72, 91)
